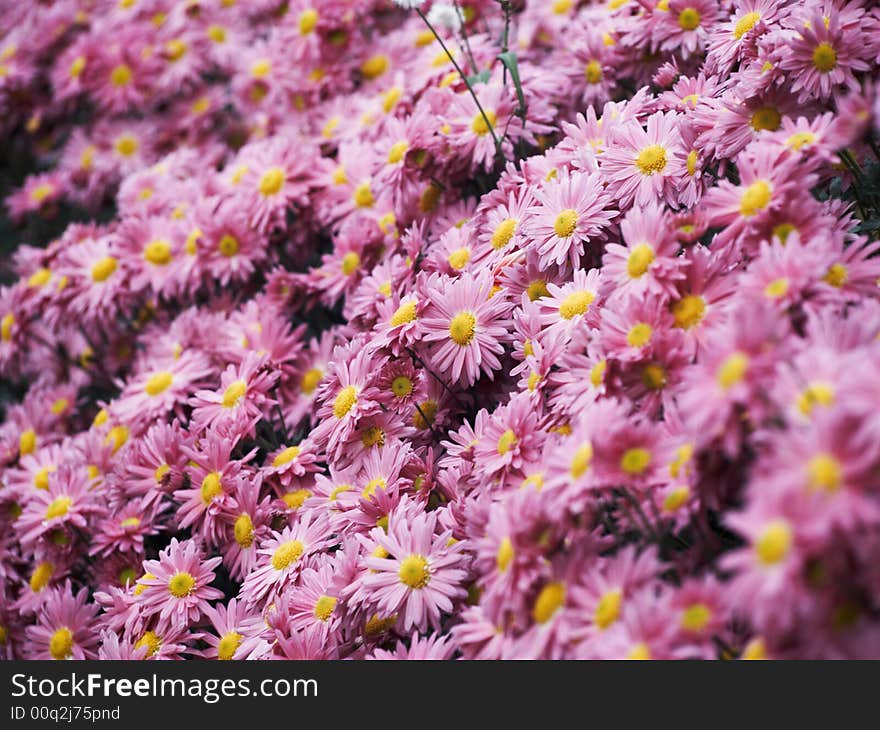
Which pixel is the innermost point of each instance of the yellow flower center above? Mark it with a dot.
(799, 140)
(745, 24)
(126, 145)
(774, 542)
(608, 608)
(310, 380)
(158, 252)
(825, 57)
(766, 118)
(414, 572)
(150, 640)
(61, 643)
(228, 245)
(640, 260)
(58, 507)
(676, 498)
(575, 304)
(503, 233)
(363, 196)
(286, 554)
(181, 584)
(121, 75)
(635, 461)
(286, 456)
(217, 33)
(130, 523)
(405, 313)
(593, 72)
(6, 325)
(732, 370)
(688, 311)
(815, 394)
(424, 415)
(688, 19)
(504, 555)
(654, 376)
(640, 651)
(211, 487)
(175, 49)
(158, 383)
(462, 328)
(77, 67)
(777, 288)
(581, 461)
(479, 124)
(344, 401)
(41, 576)
(639, 335)
(160, 472)
(755, 198)
(565, 223)
(244, 530)
(373, 436)
(41, 192)
(324, 607)
(397, 151)
(506, 442)
(825, 473)
(272, 181)
(695, 617)
(459, 258)
(103, 269)
(262, 68)
(836, 275)
(651, 160)
(692, 164)
(228, 645)
(294, 500)
(375, 66)
(401, 386)
(549, 601)
(27, 442)
(308, 19)
(41, 477)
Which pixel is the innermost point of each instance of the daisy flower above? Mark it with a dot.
(422, 574)
(571, 210)
(644, 164)
(177, 585)
(283, 557)
(462, 326)
(65, 627)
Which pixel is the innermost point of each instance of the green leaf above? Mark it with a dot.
(480, 78)
(509, 60)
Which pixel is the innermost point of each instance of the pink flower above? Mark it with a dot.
(462, 326)
(420, 577)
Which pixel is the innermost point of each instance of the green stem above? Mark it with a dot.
(467, 83)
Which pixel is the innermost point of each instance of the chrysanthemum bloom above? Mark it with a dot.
(66, 505)
(421, 574)
(463, 325)
(647, 264)
(823, 56)
(315, 599)
(242, 394)
(234, 628)
(643, 165)
(283, 556)
(65, 627)
(249, 516)
(571, 210)
(276, 174)
(573, 305)
(161, 386)
(345, 401)
(177, 585)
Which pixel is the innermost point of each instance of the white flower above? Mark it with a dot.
(409, 4)
(444, 15)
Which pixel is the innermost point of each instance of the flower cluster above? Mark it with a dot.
(462, 331)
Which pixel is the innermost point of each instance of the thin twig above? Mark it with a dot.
(467, 83)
